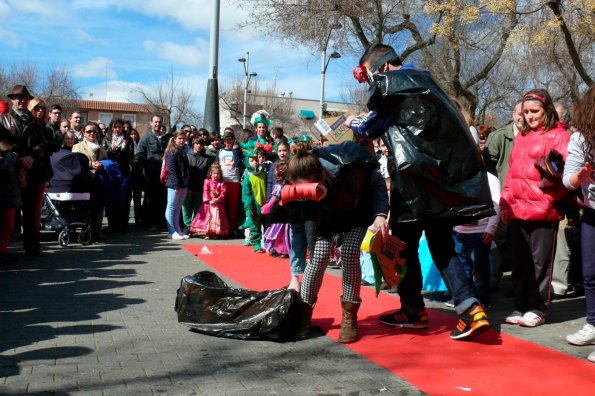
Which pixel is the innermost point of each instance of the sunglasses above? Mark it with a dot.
(39, 108)
(91, 132)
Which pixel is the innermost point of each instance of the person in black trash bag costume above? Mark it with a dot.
(439, 180)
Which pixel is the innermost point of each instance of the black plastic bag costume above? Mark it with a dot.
(438, 169)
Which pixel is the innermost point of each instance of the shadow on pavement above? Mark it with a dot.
(61, 292)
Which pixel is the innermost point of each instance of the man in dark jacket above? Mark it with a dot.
(54, 124)
(149, 156)
(497, 156)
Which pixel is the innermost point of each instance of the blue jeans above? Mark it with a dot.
(587, 237)
(175, 199)
(441, 246)
(303, 235)
(475, 254)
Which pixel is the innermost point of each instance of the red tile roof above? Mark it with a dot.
(84, 104)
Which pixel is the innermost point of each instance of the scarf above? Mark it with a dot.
(117, 140)
(94, 147)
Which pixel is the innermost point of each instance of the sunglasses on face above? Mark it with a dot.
(91, 132)
(39, 108)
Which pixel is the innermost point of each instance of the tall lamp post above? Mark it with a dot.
(211, 120)
(246, 62)
(325, 62)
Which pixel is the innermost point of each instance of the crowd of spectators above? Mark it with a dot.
(191, 182)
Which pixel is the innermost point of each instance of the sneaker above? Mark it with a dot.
(178, 237)
(402, 318)
(514, 317)
(585, 336)
(532, 319)
(247, 243)
(591, 357)
(473, 322)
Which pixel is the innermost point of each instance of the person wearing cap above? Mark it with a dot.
(31, 147)
(19, 116)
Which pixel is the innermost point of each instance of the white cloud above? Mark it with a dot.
(192, 15)
(117, 91)
(36, 7)
(100, 67)
(83, 36)
(4, 10)
(11, 39)
(178, 54)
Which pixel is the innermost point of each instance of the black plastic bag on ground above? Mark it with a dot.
(208, 305)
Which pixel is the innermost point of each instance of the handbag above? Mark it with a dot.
(551, 168)
(163, 174)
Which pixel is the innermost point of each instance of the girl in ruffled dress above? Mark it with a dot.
(210, 221)
(277, 235)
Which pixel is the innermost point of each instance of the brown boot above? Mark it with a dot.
(96, 223)
(348, 332)
(301, 322)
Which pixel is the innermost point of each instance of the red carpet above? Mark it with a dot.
(492, 364)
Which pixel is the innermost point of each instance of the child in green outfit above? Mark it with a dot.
(253, 197)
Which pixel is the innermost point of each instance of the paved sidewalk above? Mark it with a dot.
(99, 320)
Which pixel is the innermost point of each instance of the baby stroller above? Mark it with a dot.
(65, 202)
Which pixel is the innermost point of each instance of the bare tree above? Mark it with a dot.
(53, 84)
(351, 25)
(232, 99)
(171, 100)
(57, 84)
(281, 108)
(356, 94)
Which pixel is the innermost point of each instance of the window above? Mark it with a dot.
(131, 118)
(105, 118)
(84, 118)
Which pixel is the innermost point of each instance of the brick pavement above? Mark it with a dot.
(99, 320)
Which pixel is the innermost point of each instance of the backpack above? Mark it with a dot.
(347, 167)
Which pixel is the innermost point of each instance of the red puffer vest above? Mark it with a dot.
(522, 198)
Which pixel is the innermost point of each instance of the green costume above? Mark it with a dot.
(253, 197)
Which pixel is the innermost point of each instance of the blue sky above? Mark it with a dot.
(128, 42)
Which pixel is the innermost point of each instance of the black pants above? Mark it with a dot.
(442, 248)
(533, 252)
(154, 202)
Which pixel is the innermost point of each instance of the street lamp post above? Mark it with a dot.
(211, 120)
(246, 62)
(325, 62)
